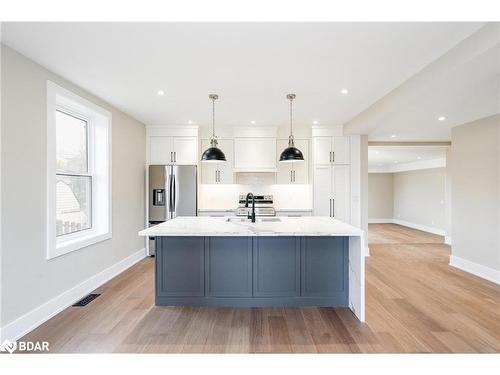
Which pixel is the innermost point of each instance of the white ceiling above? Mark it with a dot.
(250, 65)
(380, 157)
(462, 86)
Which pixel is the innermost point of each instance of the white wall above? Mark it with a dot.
(419, 198)
(380, 197)
(28, 278)
(475, 202)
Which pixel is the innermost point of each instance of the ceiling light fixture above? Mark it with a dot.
(344, 91)
(190, 122)
(419, 157)
(441, 118)
(393, 136)
(252, 122)
(161, 92)
(315, 122)
(291, 153)
(213, 153)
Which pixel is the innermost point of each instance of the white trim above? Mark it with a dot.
(410, 166)
(100, 121)
(367, 251)
(380, 221)
(476, 269)
(447, 240)
(424, 228)
(29, 321)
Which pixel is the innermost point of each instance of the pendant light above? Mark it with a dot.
(291, 153)
(213, 153)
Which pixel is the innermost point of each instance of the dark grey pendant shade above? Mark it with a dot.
(213, 153)
(290, 154)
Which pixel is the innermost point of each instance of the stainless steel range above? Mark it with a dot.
(263, 206)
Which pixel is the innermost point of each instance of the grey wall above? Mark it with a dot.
(475, 206)
(419, 197)
(28, 278)
(380, 196)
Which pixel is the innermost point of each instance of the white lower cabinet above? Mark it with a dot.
(294, 172)
(218, 173)
(332, 192)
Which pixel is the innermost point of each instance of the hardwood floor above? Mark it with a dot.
(415, 303)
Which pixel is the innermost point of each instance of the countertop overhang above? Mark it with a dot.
(287, 226)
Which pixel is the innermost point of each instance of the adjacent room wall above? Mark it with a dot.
(29, 280)
(380, 197)
(419, 199)
(475, 210)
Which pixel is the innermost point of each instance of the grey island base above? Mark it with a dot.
(294, 262)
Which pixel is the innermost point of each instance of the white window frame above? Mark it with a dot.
(99, 123)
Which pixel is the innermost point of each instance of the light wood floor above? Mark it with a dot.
(415, 303)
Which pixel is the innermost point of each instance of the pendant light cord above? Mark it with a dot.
(291, 115)
(213, 117)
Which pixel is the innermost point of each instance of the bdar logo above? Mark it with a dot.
(8, 346)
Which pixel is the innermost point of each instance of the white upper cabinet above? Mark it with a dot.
(185, 150)
(255, 154)
(173, 150)
(161, 150)
(294, 172)
(331, 150)
(218, 173)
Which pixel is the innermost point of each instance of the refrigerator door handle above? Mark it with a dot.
(174, 192)
(170, 195)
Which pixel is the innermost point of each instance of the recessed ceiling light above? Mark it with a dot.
(419, 157)
(190, 122)
(315, 122)
(344, 91)
(161, 92)
(393, 136)
(252, 122)
(441, 118)
(395, 161)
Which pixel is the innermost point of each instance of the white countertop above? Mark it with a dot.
(287, 226)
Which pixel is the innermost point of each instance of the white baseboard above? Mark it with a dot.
(420, 227)
(28, 322)
(380, 221)
(447, 240)
(477, 269)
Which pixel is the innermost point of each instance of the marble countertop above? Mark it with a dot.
(286, 226)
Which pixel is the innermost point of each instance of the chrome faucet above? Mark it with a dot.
(252, 215)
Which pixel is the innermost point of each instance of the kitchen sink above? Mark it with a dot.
(259, 219)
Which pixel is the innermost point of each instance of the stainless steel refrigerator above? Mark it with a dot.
(172, 193)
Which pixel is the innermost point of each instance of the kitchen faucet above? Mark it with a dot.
(252, 215)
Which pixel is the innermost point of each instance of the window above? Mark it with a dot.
(79, 173)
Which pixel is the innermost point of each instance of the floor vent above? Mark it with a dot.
(86, 300)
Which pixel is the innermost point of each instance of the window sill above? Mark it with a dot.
(90, 238)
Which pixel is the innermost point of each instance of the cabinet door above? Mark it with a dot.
(342, 193)
(301, 168)
(180, 267)
(209, 170)
(324, 268)
(225, 169)
(322, 193)
(160, 150)
(276, 266)
(322, 147)
(255, 154)
(284, 173)
(229, 266)
(342, 150)
(186, 150)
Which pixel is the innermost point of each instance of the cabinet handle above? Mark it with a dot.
(333, 207)
(291, 180)
(330, 205)
(333, 156)
(294, 176)
(215, 175)
(171, 157)
(175, 156)
(218, 176)
(330, 156)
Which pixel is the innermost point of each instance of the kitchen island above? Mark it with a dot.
(286, 261)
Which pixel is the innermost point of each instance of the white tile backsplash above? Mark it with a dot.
(212, 196)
